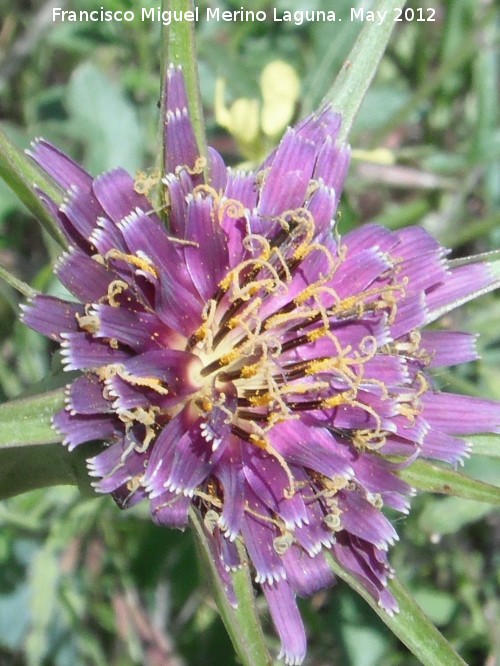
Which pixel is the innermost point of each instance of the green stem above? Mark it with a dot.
(410, 624)
(18, 285)
(21, 175)
(242, 623)
(28, 421)
(352, 82)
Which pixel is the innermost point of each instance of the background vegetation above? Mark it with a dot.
(83, 583)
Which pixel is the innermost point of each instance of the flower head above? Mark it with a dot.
(250, 363)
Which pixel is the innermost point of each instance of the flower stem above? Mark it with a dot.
(16, 284)
(242, 623)
(410, 624)
(352, 82)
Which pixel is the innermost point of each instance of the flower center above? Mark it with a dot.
(271, 344)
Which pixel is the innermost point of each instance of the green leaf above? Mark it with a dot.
(352, 82)
(242, 623)
(410, 625)
(21, 174)
(27, 421)
(435, 479)
(105, 120)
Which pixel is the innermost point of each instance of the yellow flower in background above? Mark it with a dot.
(256, 125)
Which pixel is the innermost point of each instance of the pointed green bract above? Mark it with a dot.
(20, 174)
(435, 479)
(350, 86)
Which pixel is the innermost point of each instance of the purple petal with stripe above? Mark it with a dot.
(287, 620)
(85, 427)
(59, 166)
(460, 414)
(52, 316)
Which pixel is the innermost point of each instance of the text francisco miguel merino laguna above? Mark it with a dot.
(166, 17)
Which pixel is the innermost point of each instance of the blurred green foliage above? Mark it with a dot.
(82, 583)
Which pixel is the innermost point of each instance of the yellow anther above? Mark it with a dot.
(230, 358)
(336, 400)
(261, 400)
(258, 441)
(301, 389)
(142, 263)
(317, 334)
(249, 371)
(148, 382)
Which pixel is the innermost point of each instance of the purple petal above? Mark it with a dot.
(162, 455)
(270, 482)
(359, 271)
(85, 278)
(362, 519)
(287, 620)
(85, 428)
(449, 347)
(366, 566)
(179, 186)
(370, 236)
(307, 575)
(259, 534)
(85, 396)
(322, 206)
(59, 166)
(125, 469)
(181, 148)
(141, 331)
(309, 447)
(229, 474)
(207, 262)
(458, 288)
(82, 210)
(460, 414)
(286, 184)
(106, 236)
(218, 170)
(171, 510)
(80, 351)
(440, 446)
(193, 462)
(52, 316)
(115, 192)
(411, 313)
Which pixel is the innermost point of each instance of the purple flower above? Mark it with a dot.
(250, 363)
